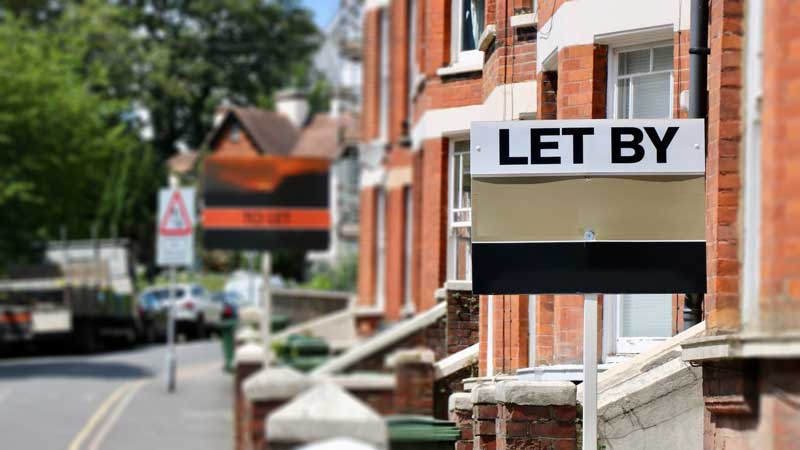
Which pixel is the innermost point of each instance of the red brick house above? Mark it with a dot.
(433, 66)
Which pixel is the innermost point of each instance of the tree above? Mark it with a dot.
(204, 51)
(62, 145)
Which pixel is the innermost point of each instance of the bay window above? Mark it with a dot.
(465, 31)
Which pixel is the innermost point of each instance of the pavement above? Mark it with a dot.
(117, 400)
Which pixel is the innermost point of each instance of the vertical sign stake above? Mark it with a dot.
(266, 305)
(172, 363)
(590, 372)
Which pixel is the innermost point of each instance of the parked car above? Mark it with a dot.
(153, 311)
(195, 313)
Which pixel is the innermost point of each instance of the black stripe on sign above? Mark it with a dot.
(589, 267)
(265, 240)
(307, 190)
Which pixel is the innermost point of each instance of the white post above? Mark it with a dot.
(590, 372)
(266, 307)
(172, 362)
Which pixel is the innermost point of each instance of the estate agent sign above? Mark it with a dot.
(588, 206)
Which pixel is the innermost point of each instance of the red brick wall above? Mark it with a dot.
(226, 146)
(433, 211)
(395, 237)
(398, 78)
(547, 8)
(436, 38)
(680, 67)
(780, 244)
(547, 107)
(524, 426)
(371, 72)
(366, 246)
(722, 165)
(463, 321)
(582, 82)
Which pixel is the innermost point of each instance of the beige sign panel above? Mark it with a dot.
(564, 208)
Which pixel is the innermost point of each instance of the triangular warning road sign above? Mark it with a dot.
(175, 221)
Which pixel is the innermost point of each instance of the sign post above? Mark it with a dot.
(174, 248)
(611, 206)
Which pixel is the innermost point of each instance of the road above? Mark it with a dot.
(116, 401)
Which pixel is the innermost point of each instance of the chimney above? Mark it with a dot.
(293, 104)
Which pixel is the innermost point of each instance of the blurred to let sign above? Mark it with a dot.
(266, 203)
(175, 222)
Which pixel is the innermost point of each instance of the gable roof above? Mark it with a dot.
(272, 133)
(325, 137)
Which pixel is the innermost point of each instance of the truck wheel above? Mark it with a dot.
(84, 339)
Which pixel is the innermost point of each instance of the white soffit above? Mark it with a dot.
(578, 23)
(637, 36)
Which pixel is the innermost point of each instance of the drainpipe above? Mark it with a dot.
(698, 109)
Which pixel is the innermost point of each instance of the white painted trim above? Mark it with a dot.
(523, 20)
(459, 68)
(490, 336)
(437, 123)
(557, 372)
(532, 302)
(578, 23)
(751, 190)
(457, 361)
(748, 345)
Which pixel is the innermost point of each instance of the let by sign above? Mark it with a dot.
(574, 206)
(598, 147)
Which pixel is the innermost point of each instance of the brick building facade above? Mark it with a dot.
(434, 66)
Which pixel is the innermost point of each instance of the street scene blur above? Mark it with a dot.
(400, 224)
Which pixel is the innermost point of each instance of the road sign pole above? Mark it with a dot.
(266, 307)
(590, 372)
(172, 363)
(171, 359)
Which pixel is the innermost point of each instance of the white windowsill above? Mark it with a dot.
(560, 372)
(458, 285)
(523, 20)
(467, 61)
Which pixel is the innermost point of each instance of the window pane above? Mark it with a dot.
(471, 23)
(662, 58)
(651, 96)
(623, 99)
(634, 62)
(646, 315)
(466, 184)
(463, 249)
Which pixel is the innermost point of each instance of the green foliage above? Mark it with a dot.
(341, 277)
(63, 146)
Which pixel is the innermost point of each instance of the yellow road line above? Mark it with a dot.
(101, 433)
(98, 415)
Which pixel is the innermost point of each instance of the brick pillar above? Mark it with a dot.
(366, 246)
(264, 392)
(248, 359)
(484, 414)
(460, 413)
(415, 375)
(433, 230)
(537, 415)
(462, 320)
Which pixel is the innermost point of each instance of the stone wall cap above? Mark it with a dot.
(536, 393)
(361, 381)
(324, 412)
(247, 334)
(410, 356)
(275, 383)
(460, 401)
(249, 353)
(250, 315)
(484, 393)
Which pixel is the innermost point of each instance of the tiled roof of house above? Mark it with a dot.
(272, 133)
(326, 136)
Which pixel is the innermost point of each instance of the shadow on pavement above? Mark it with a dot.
(74, 369)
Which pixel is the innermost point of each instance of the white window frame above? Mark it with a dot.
(380, 249)
(461, 57)
(614, 77)
(452, 209)
(408, 242)
(751, 233)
